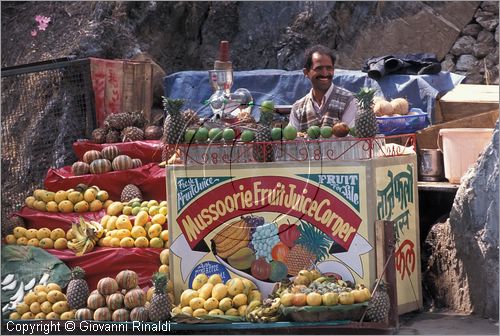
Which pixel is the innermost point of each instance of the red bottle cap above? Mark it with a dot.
(224, 51)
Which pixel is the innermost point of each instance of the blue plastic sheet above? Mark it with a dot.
(285, 87)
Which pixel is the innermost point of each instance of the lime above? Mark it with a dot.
(201, 134)
(215, 134)
(314, 132)
(228, 134)
(276, 133)
(247, 136)
(326, 132)
(267, 106)
(290, 132)
(189, 135)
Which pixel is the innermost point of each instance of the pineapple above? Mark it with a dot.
(311, 247)
(99, 135)
(113, 136)
(159, 309)
(173, 127)
(132, 133)
(379, 305)
(191, 118)
(366, 121)
(263, 134)
(129, 192)
(118, 121)
(78, 289)
(138, 119)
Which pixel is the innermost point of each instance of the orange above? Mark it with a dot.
(60, 196)
(57, 233)
(114, 242)
(164, 235)
(138, 231)
(33, 242)
(31, 233)
(52, 206)
(65, 206)
(141, 242)
(61, 244)
(46, 243)
(127, 242)
(30, 201)
(156, 242)
(10, 239)
(43, 233)
(154, 230)
(123, 222)
(95, 205)
(19, 231)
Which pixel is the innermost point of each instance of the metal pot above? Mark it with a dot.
(431, 165)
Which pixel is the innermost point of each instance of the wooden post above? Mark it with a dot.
(384, 251)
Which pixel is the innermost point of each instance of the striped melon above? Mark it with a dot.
(127, 279)
(95, 301)
(136, 163)
(84, 314)
(135, 298)
(91, 155)
(110, 152)
(102, 314)
(107, 286)
(121, 315)
(115, 301)
(80, 168)
(122, 162)
(139, 314)
(100, 166)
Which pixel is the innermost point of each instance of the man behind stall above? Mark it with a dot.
(326, 104)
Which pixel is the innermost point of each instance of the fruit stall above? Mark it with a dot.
(236, 221)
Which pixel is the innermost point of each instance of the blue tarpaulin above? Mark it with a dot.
(285, 87)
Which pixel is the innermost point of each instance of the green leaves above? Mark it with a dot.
(365, 97)
(172, 106)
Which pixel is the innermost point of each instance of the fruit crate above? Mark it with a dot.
(300, 150)
(46, 106)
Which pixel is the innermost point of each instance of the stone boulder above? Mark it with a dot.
(461, 271)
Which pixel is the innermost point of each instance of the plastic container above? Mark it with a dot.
(402, 124)
(461, 148)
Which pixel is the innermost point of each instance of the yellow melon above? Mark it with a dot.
(57, 233)
(154, 230)
(60, 244)
(127, 242)
(141, 242)
(138, 231)
(123, 222)
(164, 235)
(43, 233)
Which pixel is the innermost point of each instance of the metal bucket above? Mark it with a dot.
(431, 165)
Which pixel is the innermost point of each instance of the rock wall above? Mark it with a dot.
(475, 53)
(462, 266)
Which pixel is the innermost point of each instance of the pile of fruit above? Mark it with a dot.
(44, 302)
(115, 299)
(394, 108)
(44, 237)
(106, 160)
(80, 199)
(209, 296)
(124, 127)
(310, 288)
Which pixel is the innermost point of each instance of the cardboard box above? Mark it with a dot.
(121, 86)
(466, 100)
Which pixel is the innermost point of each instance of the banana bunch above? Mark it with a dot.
(232, 238)
(86, 236)
(262, 313)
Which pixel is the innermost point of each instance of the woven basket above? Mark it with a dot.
(352, 312)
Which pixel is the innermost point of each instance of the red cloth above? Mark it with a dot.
(108, 262)
(147, 151)
(39, 219)
(149, 178)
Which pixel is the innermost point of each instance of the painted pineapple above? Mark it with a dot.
(379, 305)
(173, 127)
(366, 121)
(160, 307)
(78, 289)
(263, 134)
(311, 247)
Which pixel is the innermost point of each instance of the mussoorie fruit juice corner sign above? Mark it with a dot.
(268, 227)
(397, 200)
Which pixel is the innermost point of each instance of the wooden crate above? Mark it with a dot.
(427, 138)
(466, 100)
(121, 86)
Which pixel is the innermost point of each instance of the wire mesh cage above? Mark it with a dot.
(46, 107)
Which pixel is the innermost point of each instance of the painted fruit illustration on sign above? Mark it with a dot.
(267, 251)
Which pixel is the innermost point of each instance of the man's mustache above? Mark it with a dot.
(327, 77)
